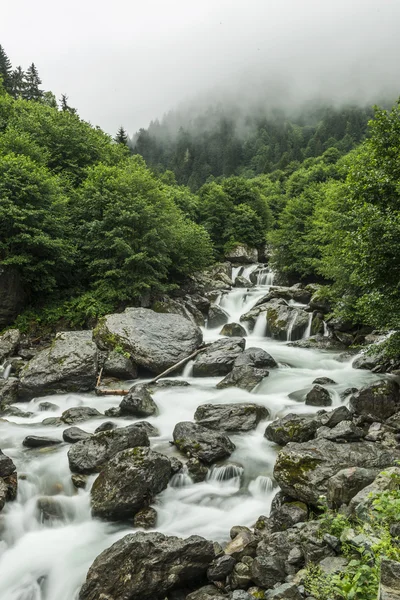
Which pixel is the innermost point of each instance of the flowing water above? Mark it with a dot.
(47, 559)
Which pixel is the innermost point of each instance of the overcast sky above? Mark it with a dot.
(129, 61)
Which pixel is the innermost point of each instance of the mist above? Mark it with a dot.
(131, 62)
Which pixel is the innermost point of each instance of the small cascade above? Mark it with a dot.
(182, 479)
(270, 278)
(188, 369)
(307, 332)
(264, 276)
(326, 330)
(291, 325)
(236, 271)
(260, 327)
(5, 369)
(227, 472)
(261, 486)
(247, 271)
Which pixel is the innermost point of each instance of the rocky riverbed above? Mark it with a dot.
(202, 485)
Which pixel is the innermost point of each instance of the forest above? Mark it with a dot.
(92, 223)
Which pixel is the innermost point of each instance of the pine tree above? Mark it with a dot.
(65, 106)
(18, 83)
(32, 81)
(121, 137)
(5, 70)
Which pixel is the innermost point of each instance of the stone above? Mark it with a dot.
(333, 417)
(72, 435)
(390, 580)
(255, 357)
(324, 381)
(90, 455)
(79, 481)
(146, 566)
(292, 428)
(361, 504)
(267, 571)
(207, 592)
(47, 406)
(242, 254)
(230, 417)
(303, 470)
(220, 568)
(9, 343)
(346, 483)
(318, 396)
(198, 442)
(106, 426)
(243, 544)
(120, 366)
(288, 514)
(286, 591)
(150, 429)
(218, 359)
(138, 403)
(128, 483)
(146, 518)
(155, 341)
(12, 295)
(217, 316)
(37, 441)
(379, 400)
(286, 322)
(233, 330)
(244, 377)
(51, 509)
(69, 365)
(240, 578)
(8, 391)
(197, 471)
(79, 414)
(345, 431)
(242, 282)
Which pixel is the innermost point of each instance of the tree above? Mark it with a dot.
(32, 83)
(121, 137)
(18, 83)
(5, 70)
(65, 106)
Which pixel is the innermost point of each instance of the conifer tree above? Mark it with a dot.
(65, 106)
(18, 83)
(121, 137)
(5, 70)
(32, 82)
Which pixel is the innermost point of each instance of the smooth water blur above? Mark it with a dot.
(47, 558)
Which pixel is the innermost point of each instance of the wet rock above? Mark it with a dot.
(37, 441)
(230, 417)
(267, 571)
(138, 403)
(333, 417)
(233, 330)
(345, 431)
(150, 429)
(69, 365)
(89, 456)
(169, 383)
(242, 254)
(287, 515)
(379, 400)
(47, 406)
(215, 277)
(13, 411)
(218, 358)
(3, 493)
(197, 471)
(217, 316)
(128, 483)
(303, 470)
(245, 377)
(240, 595)
(361, 504)
(343, 486)
(220, 568)
(9, 342)
(50, 509)
(292, 428)
(243, 544)
(199, 442)
(255, 357)
(208, 592)
(145, 518)
(72, 435)
(318, 396)
(390, 580)
(146, 566)
(79, 414)
(367, 362)
(324, 381)
(7, 466)
(286, 591)
(242, 282)
(286, 322)
(106, 426)
(155, 341)
(240, 578)
(79, 481)
(8, 391)
(53, 422)
(120, 366)
(319, 342)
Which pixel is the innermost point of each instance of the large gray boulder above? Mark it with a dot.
(9, 342)
(230, 417)
(292, 428)
(303, 470)
(217, 316)
(138, 403)
(286, 322)
(146, 566)
(233, 330)
(69, 365)
(128, 483)
(256, 357)
(389, 588)
(218, 358)
(249, 368)
(8, 392)
(362, 503)
(379, 400)
(155, 341)
(242, 254)
(318, 396)
(90, 455)
(120, 366)
(199, 442)
(12, 296)
(78, 414)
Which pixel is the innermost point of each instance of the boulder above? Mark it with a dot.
(9, 342)
(7, 466)
(138, 403)
(389, 588)
(69, 365)
(155, 341)
(199, 442)
(8, 391)
(318, 396)
(38, 441)
(267, 571)
(379, 400)
(72, 435)
(90, 455)
(286, 591)
(255, 357)
(146, 566)
(12, 295)
(220, 568)
(129, 482)
(303, 470)
(243, 543)
(233, 330)
(197, 471)
(286, 322)
(242, 282)
(218, 358)
(145, 518)
(230, 417)
(292, 428)
(346, 431)
(319, 342)
(324, 381)
(106, 426)
(78, 414)
(361, 504)
(120, 366)
(343, 486)
(207, 592)
(217, 316)
(242, 254)
(43, 406)
(245, 377)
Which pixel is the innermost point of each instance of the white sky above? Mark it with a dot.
(129, 61)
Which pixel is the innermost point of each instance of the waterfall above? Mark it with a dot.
(188, 369)
(326, 330)
(261, 486)
(307, 332)
(180, 480)
(270, 278)
(290, 328)
(260, 327)
(5, 369)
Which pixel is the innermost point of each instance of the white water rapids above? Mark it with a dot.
(48, 559)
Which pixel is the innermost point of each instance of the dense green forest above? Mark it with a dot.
(91, 228)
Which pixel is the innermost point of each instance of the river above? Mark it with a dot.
(47, 559)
